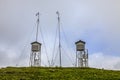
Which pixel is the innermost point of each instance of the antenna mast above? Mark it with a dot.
(35, 55)
(37, 14)
(59, 38)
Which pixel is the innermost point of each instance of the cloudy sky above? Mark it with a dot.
(95, 21)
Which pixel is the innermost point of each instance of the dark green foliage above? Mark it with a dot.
(42, 73)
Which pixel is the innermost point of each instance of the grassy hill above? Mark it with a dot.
(37, 73)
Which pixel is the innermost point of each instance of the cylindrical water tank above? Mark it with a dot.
(80, 45)
(36, 46)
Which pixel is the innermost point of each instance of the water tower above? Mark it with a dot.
(35, 56)
(81, 54)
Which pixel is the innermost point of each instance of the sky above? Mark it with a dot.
(94, 21)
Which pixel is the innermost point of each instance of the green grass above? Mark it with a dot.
(37, 73)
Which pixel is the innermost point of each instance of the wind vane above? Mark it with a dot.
(58, 15)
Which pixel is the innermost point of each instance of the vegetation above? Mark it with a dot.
(41, 73)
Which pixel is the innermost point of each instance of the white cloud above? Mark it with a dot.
(101, 60)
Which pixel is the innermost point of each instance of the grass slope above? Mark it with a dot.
(36, 73)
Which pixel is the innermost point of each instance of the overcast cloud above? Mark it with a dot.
(95, 21)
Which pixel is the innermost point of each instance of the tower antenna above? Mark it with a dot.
(37, 14)
(58, 14)
(35, 56)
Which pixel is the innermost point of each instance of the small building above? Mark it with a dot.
(80, 45)
(36, 46)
